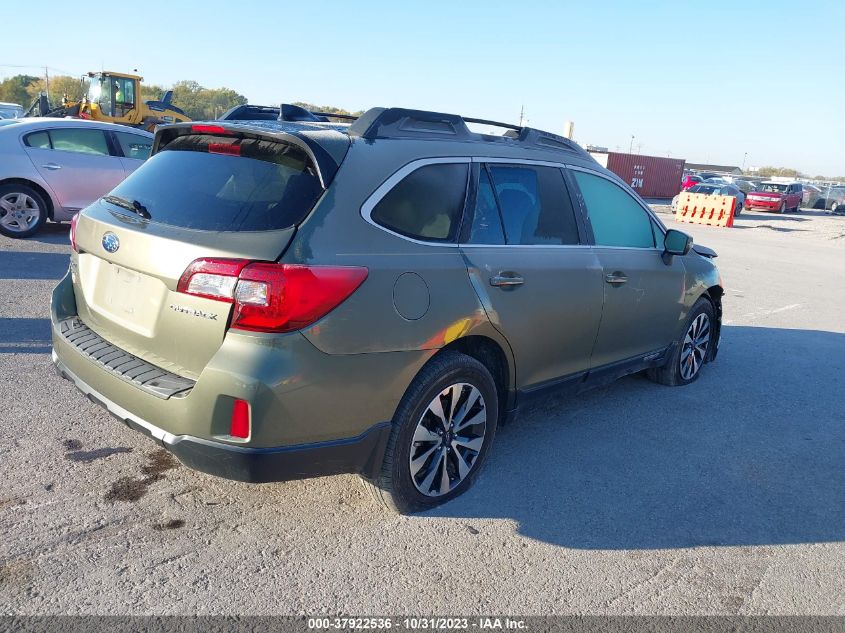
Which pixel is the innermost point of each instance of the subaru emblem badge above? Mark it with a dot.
(110, 242)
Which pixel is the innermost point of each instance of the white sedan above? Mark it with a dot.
(52, 168)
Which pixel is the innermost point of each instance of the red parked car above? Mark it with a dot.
(690, 180)
(775, 196)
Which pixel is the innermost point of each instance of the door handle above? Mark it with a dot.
(52, 166)
(616, 278)
(507, 279)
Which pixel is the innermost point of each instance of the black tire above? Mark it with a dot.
(394, 487)
(738, 210)
(11, 190)
(671, 374)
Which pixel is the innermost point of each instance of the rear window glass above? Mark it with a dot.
(426, 204)
(242, 185)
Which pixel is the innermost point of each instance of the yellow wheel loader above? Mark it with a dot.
(114, 98)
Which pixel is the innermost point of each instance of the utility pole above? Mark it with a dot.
(631, 146)
(521, 114)
(744, 156)
(47, 82)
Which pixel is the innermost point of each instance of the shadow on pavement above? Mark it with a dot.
(52, 233)
(32, 265)
(753, 453)
(25, 336)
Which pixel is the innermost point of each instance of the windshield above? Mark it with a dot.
(10, 111)
(99, 92)
(220, 184)
(704, 189)
(771, 187)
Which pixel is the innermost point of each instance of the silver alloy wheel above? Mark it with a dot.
(782, 207)
(448, 439)
(695, 345)
(19, 212)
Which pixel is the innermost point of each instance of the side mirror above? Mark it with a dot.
(676, 243)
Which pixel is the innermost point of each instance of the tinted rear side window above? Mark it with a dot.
(80, 141)
(536, 207)
(221, 184)
(427, 204)
(41, 140)
(486, 223)
(134, 145)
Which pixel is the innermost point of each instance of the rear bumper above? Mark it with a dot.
(362, 454)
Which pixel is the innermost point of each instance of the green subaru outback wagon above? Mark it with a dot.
(273, 300)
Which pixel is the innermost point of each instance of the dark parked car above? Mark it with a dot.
(834, 199)
(373, 298)
(812, 197)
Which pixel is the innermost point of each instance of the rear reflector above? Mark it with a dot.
(240, 420)
(73, 221)
(272, 297)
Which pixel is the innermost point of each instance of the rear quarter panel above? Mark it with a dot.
(16, 164)
(416, 296)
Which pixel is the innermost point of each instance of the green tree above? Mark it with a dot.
(14, 89)
(327, 109)
(204, 103)
(60, 85)
(152, 92)
(788, 172)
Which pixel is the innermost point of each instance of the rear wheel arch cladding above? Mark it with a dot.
(498, 361)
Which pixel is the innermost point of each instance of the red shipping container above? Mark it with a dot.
(649, 176)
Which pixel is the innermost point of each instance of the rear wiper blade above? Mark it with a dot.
(130, 205)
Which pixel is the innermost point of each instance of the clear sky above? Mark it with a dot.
(706, 81)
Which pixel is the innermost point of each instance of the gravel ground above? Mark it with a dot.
(724, 497)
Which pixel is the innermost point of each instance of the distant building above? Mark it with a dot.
(722, 169)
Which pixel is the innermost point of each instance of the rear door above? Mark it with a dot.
(540, 285)
(643, 296)
(76, 163)
(204, 196)
(134, 149)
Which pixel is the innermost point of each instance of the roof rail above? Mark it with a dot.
(386, 123)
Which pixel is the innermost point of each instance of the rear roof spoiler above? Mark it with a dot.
(325, 163)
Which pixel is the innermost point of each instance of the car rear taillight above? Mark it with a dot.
(211, 278)
(229, 149)
(239, 426)
(272, 297)
(73, 221)
(209, 129)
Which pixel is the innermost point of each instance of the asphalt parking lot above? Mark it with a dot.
(725, 497)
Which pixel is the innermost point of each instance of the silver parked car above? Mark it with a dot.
(52, 168)
(10, 110)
